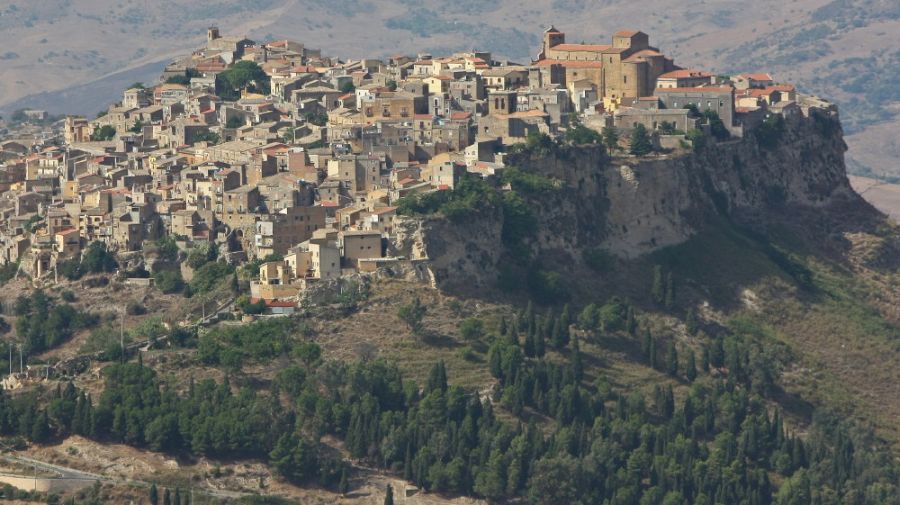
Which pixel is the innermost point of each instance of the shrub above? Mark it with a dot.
(135, 309)
(207, 277)
(168, 281)
(547, 287)
(471, 329)
(769, 133)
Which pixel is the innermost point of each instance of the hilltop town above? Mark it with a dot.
(279, 156)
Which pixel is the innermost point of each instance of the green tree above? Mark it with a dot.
(555, 481)
(235, 122)
(154, 494)
(104, 133)
(412, 314)
(640, 141)
(611, 139)
(389, 495)
(578, 134)
(348, 87)
(207, 136)
(672, 359)
(658, 289)
(471, 329)
(690, 369)
(344, 484)
(670, 292)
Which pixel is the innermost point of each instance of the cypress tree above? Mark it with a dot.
(631, 321)
(691, 366)
(704, 359)
(670, 291)
(529, 346)
(540, 344)
(176, 500)
(503, 327)
(389, 495)
(672, 360)
(154, 494)
(658, 289)
(343, 485)
(167, 497)
(690, 322)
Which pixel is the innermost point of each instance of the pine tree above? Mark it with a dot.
(640, 141)
(389, 495)
(154, 494)
(658, 290)
(672, 360)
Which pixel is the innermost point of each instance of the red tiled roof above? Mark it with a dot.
(460, 115)
(759, 76)
(581, 47)
(570, 63)
(684, 74)
(699, 89)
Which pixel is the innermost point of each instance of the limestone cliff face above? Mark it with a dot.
(632, 206)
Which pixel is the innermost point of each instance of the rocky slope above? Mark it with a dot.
(631, 206)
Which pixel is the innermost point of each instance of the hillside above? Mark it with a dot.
(715, 324)
(71, 56)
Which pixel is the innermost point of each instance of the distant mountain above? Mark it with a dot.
(843, 49)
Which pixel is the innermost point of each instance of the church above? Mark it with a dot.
(628, 68)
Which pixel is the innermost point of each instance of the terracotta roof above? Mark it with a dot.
(684, 74)
(760, 76)
(626, 33)
(460, 115)
(699, 89)
(570, 63)
(581, 47)
(642, 54)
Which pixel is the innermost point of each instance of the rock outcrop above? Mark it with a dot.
(632, 206)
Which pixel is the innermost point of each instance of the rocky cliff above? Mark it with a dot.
(631, 206)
